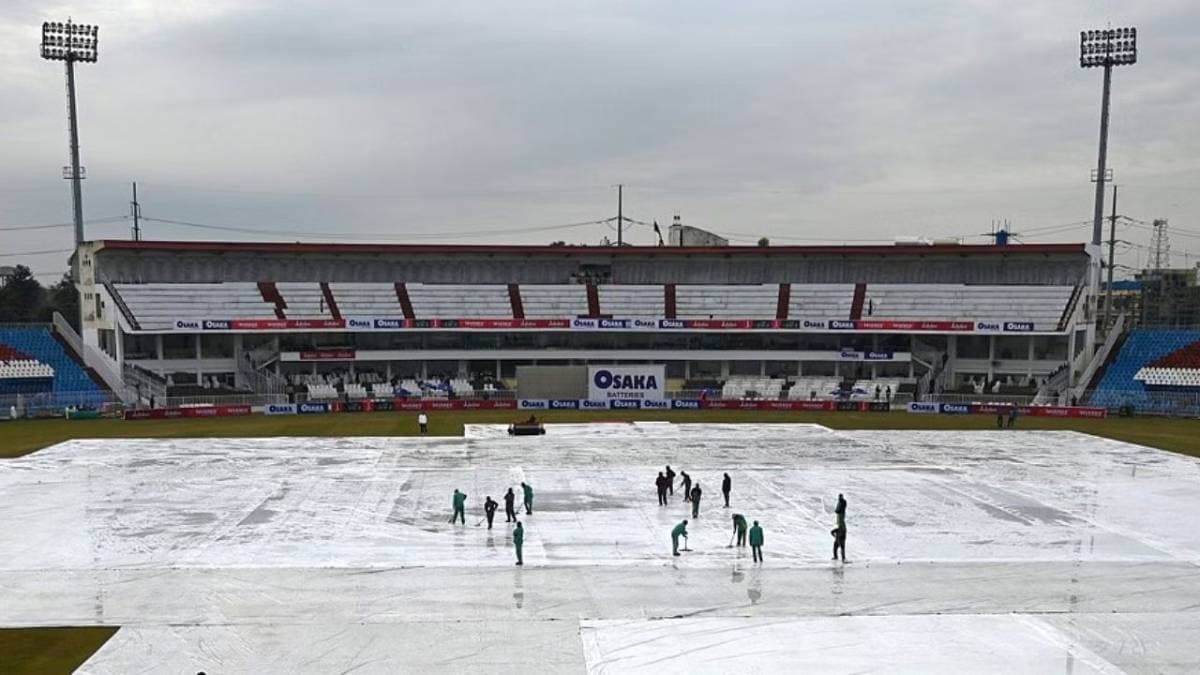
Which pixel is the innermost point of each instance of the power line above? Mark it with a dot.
(343, 235)
(50, 226)
(23, 253)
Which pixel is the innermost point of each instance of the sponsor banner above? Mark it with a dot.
(685, 404)
(355, 405)
(627, 382)
(924, 408)
(652, 404)
(493, 324)
(175, 413)
(846, 406)
(593, 405)
(396, 323)
(954, 409)
(533, 404)
(1005, 408)
(280, 409)
(276, 324)
(1064, 411)
(383, 404)
(876, 406)
(888, 324)
(847, 355)
(623, 404)
(312, 408)
(564, 404)
(327, 355)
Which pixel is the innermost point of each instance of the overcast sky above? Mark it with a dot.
(481, 121)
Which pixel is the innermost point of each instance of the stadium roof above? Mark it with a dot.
(570, 250)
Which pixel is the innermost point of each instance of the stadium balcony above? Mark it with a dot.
(34, 363)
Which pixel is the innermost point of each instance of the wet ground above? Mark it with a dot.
(1002, 551)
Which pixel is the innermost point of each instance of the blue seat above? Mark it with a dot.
(1142, 347)
(71, 384)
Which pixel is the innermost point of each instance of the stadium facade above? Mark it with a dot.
(261, 316)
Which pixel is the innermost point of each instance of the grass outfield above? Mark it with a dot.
(22, 437)
(43, 651)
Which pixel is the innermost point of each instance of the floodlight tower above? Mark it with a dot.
(1104, 48)
(70, 42)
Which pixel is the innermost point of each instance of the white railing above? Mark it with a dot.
(98, 362)
(1100, 357)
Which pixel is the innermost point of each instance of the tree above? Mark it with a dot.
(20, 297)
(763, 241)
(63, 298)
(558, 243)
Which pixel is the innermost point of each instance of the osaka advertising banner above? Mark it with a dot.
(627, 383)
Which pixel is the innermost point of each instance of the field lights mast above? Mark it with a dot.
(71, 42)
(1104, 49)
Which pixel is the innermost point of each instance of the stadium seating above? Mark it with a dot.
(357, 299)
(752, 386)
(1042, 305)
(304, 301)
(1151, 367)
(157, 306)
(554, 301)
(458, 301)
(34, 351)
(820, 301)
(816, 388)
(752, 301)
(632, 302)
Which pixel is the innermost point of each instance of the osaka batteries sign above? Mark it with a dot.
(642, 383)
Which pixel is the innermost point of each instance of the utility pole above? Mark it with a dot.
(136, 210)
(71, 42)
(620, 215)
(1112, 243)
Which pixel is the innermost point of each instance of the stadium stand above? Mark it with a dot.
(1042, 305)
(554, 301)
(820, 301)
(302, 301)
(367, 299)
(633, 302)
(726, 302)
(752, 387)
(813, 388)
(1152, 367)
(157, 306)
(38, 352)
(460, 301)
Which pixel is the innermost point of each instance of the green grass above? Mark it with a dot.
(22, 437)
(45, 651)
